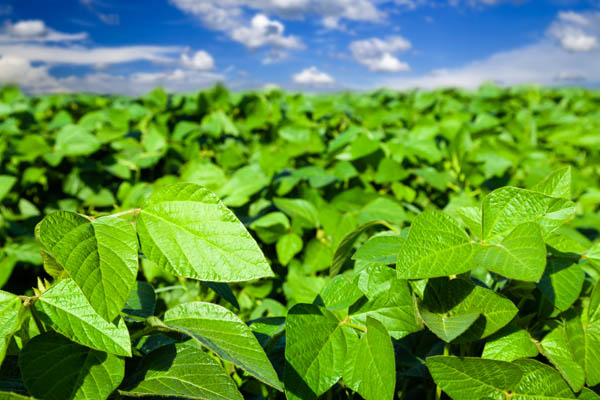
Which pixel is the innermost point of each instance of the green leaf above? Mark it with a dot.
(186, 230)
(316, 349)
(53, 367)
(435, 246)
(287, 247)
(13, 396)
(73, 140)
(392, 304)
(588, 394)
(507, 207)
(562, 282)
(460, 297)
(181, 370)
(6, 184)
(11, 313)
(141, 301)
(557, 184)
(509, 344)
(100, 255)
(382, 248)
(448, 327)
(300, 210)
(556, 347)
(521, 254)
(65, 308)
(344, 249)
(382, 208)
(370, 368)
(340, 293)
(223, 332)
(475, 378)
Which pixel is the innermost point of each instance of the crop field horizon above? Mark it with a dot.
(216, 244)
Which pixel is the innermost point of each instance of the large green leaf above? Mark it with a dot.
(181, 370)
(74, 140)
(53, 367)
(392, 304)
(507, 207)
(435, 246)
(370, 367)
(458, 297)
(509, 344)
(476, 378)
(65, 308)
(223, 332)
(11, 312)
(520, 255)
(562, 282)
(100, 255)
(557, 184)
(317, 346)
(383, 248)
(186, 229)
(557, 347)
(448, 327)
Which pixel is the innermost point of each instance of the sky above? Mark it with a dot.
(131, 46)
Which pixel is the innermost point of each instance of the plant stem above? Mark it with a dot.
(38, 323)
(127, 212)
(351, 325)
(438, 389)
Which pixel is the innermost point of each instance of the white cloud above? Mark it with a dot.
(543, 63)
(19, 71)
(227, 15)
(263, 31)
(35, 30)
(79, 55)
(201, 61)
(93, 5)
(577, 31)
(312, 76)
(378, 54)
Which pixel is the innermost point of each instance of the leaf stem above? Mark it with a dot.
(347, 323)
(438, 389)
(134, 211)
(38, 323)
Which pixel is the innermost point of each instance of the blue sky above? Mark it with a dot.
(117, 46)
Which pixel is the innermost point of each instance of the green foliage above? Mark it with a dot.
(266, 245)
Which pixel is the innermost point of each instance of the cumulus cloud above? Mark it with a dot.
(576, 31)
(313, 77)
(200, 60)
(378, 54)
(19, 71)
(263, 31)
(227, 15)
(35, 30)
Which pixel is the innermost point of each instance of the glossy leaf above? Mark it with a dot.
(53, 367)
(520, 255)
(435, 246)
(100, 255)
(370, 367)
(187, 230)
(65, 308)
(181, 370)
(11, 312)
(223, 332)
(316, 351)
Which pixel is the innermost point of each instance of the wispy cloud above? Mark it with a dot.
(35, 30)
